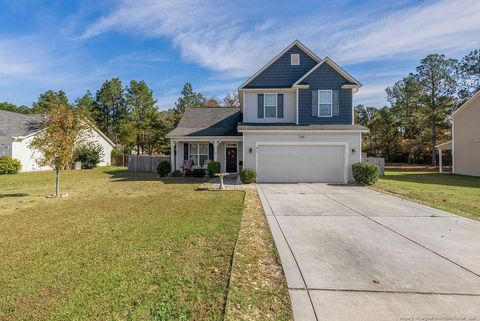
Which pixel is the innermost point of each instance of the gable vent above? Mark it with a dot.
(295, 59)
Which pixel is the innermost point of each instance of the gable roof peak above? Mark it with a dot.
(297, 43)
(336, 67)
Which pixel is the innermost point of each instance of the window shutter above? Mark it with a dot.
(260, 106)
(210, 151)
(280, 106)
(185, 151)
(315, 103)
(336, 103)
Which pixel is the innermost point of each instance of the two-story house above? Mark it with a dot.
(295, 124)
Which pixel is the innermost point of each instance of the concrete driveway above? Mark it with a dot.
(350, 253)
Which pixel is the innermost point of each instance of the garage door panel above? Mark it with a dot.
(301, 163)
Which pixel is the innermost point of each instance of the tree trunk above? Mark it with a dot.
(57, 183)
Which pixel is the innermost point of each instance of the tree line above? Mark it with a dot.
(128, 115)
(417, 118)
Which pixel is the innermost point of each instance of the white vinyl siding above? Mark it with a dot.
(250, 103)
(325, 103)
(270, 104)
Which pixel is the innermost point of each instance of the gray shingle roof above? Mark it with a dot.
(291, 126)
(208, 121)
(15, 124)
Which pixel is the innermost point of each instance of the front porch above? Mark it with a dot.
(199, 151)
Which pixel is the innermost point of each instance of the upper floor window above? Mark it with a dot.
(325, 103)
(270, 105)
(295, 59)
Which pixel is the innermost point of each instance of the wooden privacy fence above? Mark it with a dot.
(380, 162)
(145, 164)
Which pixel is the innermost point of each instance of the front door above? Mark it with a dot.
(231, 159)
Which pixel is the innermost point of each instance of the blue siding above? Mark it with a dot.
(281, 74)
(324, 77)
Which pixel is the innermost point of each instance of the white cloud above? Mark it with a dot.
(223, 38)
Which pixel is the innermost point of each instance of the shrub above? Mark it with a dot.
(198, 172)
(164, 168)
(176, 173)
(365, 173)
(9, 165)
(213, 168)
(248, 176)
(89, 154)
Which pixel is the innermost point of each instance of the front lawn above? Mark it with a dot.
(453, 193)
(121, 246)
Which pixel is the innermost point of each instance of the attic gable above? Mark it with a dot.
(280, 72)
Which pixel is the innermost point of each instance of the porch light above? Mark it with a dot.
(250, 150)
(353, 151)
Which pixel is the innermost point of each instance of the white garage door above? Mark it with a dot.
(301, 163)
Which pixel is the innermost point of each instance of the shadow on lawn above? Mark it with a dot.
(435, 178)
(13, 195)
(125, 176)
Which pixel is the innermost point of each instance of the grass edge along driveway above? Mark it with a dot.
(457, 194)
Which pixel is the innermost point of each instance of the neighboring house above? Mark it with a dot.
(295, 124)
(18, 130)
(465, 143)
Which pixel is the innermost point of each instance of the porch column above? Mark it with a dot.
(172, 154)
(440, 162)
(215, 149)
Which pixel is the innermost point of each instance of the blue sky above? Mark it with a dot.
(216, 45)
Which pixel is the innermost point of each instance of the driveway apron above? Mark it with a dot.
(350, 253)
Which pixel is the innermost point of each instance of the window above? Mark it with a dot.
(3, 150)
(324, 103)
(198, 154)
(295, 59)
(270, 105)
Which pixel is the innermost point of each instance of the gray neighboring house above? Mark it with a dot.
(18, 130)
(465, 143)
(295, 124)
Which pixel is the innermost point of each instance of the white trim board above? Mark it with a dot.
(345, 167)
(306, 131)
(295, 43)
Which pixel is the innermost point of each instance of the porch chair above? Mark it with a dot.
(187, 167)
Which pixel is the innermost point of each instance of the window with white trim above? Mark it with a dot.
(198, 154)
(270, 105)
(295, 59)
(325, 103)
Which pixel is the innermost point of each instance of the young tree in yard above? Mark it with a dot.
(111, 112)
(48, 100)
(143, 111)
(189, 98)
(64, 127)
(436, 76)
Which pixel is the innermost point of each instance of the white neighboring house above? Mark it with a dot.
(18, 130)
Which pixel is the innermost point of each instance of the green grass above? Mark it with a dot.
(456, 194)
(121, 246)
(258, 289)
